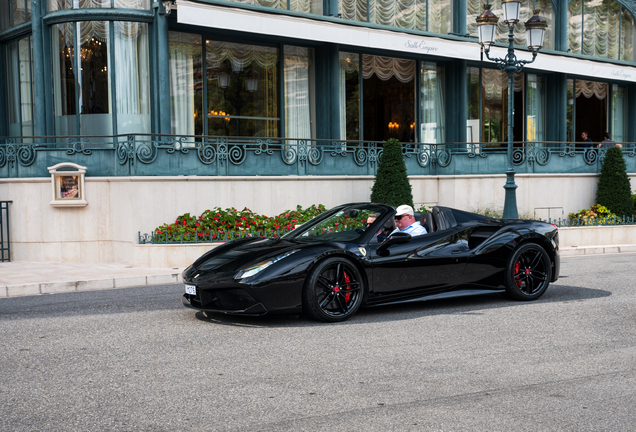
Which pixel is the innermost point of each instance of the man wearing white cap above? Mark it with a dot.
(405, 221)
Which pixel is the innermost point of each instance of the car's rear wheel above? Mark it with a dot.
(528, 272)
(333, 291)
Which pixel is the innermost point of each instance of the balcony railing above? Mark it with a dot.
(170, 155)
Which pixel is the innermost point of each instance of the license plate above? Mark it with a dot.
(191, 289)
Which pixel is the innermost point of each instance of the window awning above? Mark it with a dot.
(229, 18)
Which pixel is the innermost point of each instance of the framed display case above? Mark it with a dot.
(68, 185)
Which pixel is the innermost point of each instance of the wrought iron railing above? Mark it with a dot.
(148, 154)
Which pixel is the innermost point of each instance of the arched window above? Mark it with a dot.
(476, 7)
(435, 16)
(600, 28)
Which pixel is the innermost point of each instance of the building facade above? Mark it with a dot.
(308, 88)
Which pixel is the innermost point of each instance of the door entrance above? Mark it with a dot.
(388, 99)
(591, 109)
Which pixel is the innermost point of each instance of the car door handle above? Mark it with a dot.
(456, 251)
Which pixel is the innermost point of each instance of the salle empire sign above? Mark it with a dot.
(620, 73)
(420, 45)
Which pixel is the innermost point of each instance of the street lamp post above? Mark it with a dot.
(535, 30)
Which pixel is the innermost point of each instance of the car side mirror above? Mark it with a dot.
(395, 238)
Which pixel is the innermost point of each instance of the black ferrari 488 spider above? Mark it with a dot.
(337, 263)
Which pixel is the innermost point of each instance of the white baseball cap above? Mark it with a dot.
(404, 209)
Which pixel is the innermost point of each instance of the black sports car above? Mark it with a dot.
(336, 263)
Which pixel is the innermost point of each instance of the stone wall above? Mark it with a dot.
(120, 207)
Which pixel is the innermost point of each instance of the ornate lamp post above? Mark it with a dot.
(535, 31)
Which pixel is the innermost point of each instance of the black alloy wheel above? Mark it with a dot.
(528, 272)
(333, 291)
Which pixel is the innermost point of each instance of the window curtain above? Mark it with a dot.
(387, 67)
(535, 109)
(474, 8)
(306, 6)
(185, 51)
(432, 108)
(619, 113)
(411, 14)
(132, 78)
(591, 88)
(594, 28)
(297, 92)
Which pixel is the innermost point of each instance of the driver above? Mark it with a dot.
(405, 221)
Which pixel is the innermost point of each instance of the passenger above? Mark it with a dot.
(405, 221)
(380, 234)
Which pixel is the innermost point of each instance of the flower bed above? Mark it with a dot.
(225, 224)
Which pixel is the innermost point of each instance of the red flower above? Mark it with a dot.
(184, 222)
(287, 215)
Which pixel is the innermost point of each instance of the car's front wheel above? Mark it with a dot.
(528, 272)
(333, 291)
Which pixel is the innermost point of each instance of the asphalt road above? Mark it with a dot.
(135, 359)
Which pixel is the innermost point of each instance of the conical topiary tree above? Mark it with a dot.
(614, 189)
(391, 185)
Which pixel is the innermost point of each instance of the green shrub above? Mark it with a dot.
(614, 189)
(634, 204)
(391, 185)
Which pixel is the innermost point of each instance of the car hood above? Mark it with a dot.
(237, 255)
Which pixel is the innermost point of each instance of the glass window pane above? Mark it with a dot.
(186, 84)
(55, 5)
(570, 111)
(132, 77)
(242, 90)
(349, 96)
(432, 106)
(13, 88)
(19, 11)
(94, 78)
(627, 36)
(26, 87)
(91, 3)
(299, 92)
(535, 108)
(132, 4)
(355, 10)
(5, 15)
(440, 16)
(64, 69)
(307, 6)
(575, 26)
(472, 116)
(619, 113)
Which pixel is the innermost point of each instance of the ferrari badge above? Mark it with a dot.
(363, 251)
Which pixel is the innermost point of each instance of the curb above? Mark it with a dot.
(596, 250)
(18, 290)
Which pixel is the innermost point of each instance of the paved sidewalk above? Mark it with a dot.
(20, 278)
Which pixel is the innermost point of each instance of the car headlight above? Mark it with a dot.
(257, 268)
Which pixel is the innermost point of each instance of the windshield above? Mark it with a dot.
(347, 224)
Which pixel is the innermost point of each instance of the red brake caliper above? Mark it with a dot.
(347, 280)
(517, 265)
